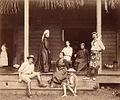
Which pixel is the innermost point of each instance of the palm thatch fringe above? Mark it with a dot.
(113, 3)
(13, 6)
(51, 4)
(9, 6)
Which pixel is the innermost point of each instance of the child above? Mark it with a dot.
(3, 56)
(71, 83)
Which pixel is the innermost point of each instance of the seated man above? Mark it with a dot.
(26, 72)
(71, 82)
(61, 74)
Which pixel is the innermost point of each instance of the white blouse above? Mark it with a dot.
(97, 45)
(68, 51)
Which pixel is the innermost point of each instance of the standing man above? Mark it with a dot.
(68, 51)
(97, 47)
(70, 83)
(26, 72)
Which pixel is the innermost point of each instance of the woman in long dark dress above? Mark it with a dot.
(82, 58)
(43, 61)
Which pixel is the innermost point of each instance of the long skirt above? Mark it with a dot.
(3, 59)
(45, 63)
(59, 77)
(94, 63)
(80, 64)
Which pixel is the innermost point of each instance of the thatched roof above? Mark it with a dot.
(14, 6)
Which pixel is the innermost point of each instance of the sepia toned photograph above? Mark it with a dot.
(59, 49)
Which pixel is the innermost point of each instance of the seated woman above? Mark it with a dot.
(68, 52)
(61, 74)
(82, 58)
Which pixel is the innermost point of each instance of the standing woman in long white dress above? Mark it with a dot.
(3, 56)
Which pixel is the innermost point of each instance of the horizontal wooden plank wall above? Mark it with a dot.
(109, 39)
(19, 39)
(54, 40)
(118, 46)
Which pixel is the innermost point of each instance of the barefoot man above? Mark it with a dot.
(71, 83)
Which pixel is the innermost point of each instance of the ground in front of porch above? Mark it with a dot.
(102, 94)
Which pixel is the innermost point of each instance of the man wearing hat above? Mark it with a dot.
(26, 72)
(71, 82)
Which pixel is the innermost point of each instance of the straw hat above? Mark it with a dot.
(71, 70)
(31, 56)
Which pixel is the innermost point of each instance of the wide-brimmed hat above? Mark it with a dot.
(71, 70)
(31, 56)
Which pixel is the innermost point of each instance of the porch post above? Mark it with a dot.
(26, 29)
(99, 20)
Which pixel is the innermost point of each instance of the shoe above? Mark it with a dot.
(51, 86)
(86, 78)
(93, 78)
(42, 85)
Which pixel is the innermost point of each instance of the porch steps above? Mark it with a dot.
(9, 84)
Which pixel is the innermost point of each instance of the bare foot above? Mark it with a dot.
(64, 96)
(75, 95)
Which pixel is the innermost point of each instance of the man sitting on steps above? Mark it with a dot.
(26, 72)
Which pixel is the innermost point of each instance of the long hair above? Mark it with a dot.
(45, 32)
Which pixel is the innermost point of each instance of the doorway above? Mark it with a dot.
(77, 36)
(8, 38)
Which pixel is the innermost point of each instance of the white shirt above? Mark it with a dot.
(68, 51)
(26, 68)
(97, 45)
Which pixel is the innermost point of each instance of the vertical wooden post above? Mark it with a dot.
(0, 30)
(26, 29)
(118, 47)
(99, 23)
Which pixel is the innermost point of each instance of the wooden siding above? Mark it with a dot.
(19, 46)
(55, 41)
(109, 39)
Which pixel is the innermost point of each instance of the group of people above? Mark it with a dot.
(65, 74)
(64, 77)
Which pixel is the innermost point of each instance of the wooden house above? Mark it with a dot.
(22, 23)
(67, 21)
